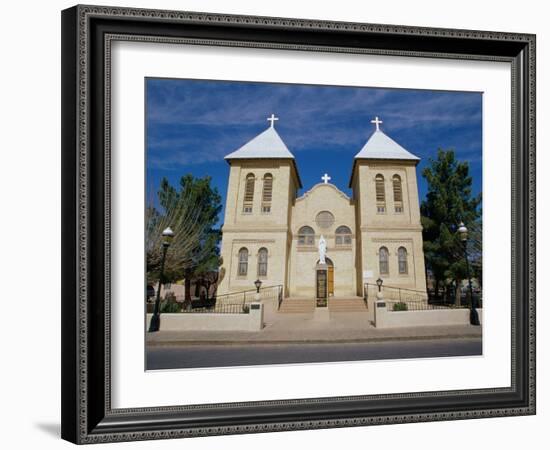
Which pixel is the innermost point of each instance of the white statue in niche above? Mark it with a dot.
(322, 250)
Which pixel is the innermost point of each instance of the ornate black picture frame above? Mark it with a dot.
(87, 34)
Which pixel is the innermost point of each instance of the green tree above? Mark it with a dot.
(475, 250)
(192, 212)
(448, 202)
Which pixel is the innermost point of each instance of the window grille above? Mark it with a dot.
(397, 194)
(383, 261)
(306, 236)
(262, 262)
(249, 193)
(380, 194)
(267, 193)
(343, 235)
(402, 260)
(243, 262)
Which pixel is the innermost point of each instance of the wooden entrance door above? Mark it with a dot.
(330, 280)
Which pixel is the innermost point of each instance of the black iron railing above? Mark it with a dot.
(394, 293)
(410, 305)
(227, 308)
(366, 297)
(404, 299)
(448, 297)
(250, 295)
(232, 303)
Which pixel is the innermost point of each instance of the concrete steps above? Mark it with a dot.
(335, 305)
(297, 305)
(346, 305)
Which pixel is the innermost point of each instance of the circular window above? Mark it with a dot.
(324, 219)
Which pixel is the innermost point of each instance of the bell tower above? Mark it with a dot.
(262, 186)
(389, 232)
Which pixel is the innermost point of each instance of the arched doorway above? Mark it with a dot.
(327, 274)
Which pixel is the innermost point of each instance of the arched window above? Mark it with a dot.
(383, 261)
(343, 235)
(249, 193)
(380, 194)
(262, 262)
(397, 194)
(402, 260)
(267, 193)
(306, 236)
(243, 262)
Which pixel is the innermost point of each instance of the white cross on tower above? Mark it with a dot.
(272, 119)
(326, 178)
(377, 122)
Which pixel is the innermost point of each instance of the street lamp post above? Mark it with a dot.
(167, 236)
(379, 284)
(463, 235)
(258, 284)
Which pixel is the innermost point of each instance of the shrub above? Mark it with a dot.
(400, 306)
(170, 307)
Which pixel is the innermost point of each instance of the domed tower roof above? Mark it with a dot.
(266, 145)
(381, 146)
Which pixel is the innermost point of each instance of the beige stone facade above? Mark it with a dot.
(304, 257)
(394, 228)
(375, 233)
(257, 230)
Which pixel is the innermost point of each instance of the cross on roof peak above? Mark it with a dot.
(272, 119)
(377, 122)
(326, 178)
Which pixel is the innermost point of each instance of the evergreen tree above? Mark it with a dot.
(448, 202)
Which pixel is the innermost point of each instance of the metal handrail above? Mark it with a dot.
(384, 286)
(416, 305)
(249, 295)
(229, 308)
(234, 304)
(411, 299)
(401, 292)
(248, 290)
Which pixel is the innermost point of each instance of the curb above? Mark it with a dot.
(172, 343)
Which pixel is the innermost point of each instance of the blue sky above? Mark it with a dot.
(193, 124)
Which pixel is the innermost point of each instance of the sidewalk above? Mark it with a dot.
(303, 328)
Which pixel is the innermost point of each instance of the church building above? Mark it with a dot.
(272, 234)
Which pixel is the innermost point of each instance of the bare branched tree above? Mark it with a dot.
(182, 215)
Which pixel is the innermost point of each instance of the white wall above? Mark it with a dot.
(385, 317)
(252, 321)
(30, 225)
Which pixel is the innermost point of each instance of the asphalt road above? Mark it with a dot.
(220, 355)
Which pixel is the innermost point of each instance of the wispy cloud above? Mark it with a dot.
(193, 124)
(187, 116)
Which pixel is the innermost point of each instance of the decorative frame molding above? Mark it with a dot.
(87, 34)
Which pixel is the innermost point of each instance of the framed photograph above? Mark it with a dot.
(280, 224)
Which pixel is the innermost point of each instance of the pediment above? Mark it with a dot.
(323, 189)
